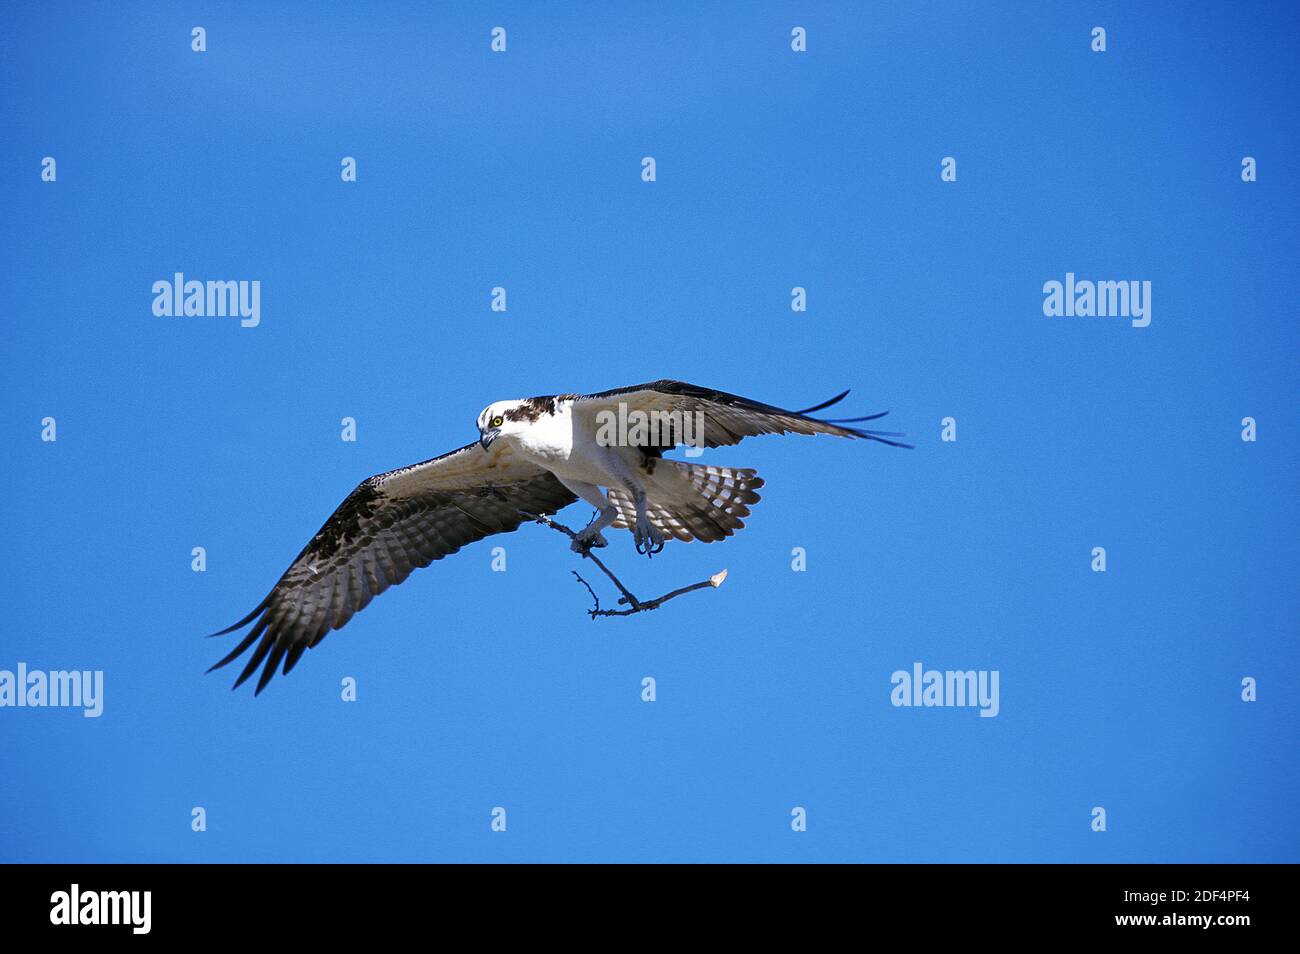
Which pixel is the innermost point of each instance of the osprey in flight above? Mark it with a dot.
(533, 456)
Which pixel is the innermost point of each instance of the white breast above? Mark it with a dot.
(549, 439)
(560, 443)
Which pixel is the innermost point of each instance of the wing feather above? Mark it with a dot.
(724, 418)
(389, 526)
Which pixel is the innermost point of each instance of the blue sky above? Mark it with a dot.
(775, 169)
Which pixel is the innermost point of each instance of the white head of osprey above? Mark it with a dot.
(636, 428)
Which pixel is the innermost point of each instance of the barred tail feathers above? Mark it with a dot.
(692, 501)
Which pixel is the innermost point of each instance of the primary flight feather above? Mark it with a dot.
(533, 456)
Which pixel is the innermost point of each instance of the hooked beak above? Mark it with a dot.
(486, 438)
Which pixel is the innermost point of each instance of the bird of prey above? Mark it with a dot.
(533, 456)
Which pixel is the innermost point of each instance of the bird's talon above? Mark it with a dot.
(582, 544)
(648, 540)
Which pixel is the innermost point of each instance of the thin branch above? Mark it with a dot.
(586, 552)
(594, 598)
(627, 599)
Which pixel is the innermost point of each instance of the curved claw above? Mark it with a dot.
(648, 543)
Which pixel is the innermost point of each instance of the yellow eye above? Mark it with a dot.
(497, 421)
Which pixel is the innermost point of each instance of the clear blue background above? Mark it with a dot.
(775, 169)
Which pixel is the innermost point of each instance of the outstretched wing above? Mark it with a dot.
(723, 418)
(389, 525)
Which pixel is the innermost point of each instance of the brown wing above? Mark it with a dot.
(388, 526)
(725, 418)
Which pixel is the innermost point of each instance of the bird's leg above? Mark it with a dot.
(606, 513)
(647, 537)
(590, 535)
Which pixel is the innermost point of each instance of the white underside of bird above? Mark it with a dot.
(565, 443)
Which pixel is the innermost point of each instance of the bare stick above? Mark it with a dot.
(627, 599)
